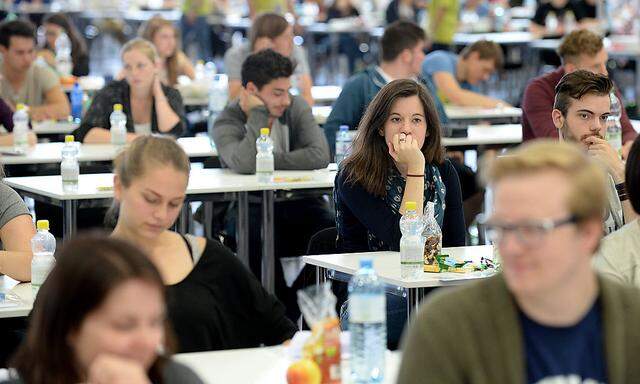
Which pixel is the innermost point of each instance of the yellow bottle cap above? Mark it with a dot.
(410, 206)
(200, 62)
(42, 225)
(117, 107)
(264, 131)
(69, 139)
(20, 107)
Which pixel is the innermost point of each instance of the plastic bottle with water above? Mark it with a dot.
(43, 246)
(21, 129)
(64, 64)
(118, 122)
(343, 143)
(69, 167)
(218, 95)
(76, 102)
(367, 325)
(199, 71)
(614, 127)
(264, 157)
(411, 242)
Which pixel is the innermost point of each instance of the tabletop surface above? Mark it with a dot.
(18, 299)
(199, 146)
(201, 181)
(387, 266)
(483, 134)
(465, 113)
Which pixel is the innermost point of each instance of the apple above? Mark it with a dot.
(305, 371)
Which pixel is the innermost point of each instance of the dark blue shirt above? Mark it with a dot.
(565, 354)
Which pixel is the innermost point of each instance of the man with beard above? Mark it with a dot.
(580, 113)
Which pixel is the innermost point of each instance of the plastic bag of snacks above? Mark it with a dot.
(317, 304)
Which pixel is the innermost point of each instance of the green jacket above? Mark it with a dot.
(472, 335)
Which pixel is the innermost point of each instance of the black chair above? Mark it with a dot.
(323, 242)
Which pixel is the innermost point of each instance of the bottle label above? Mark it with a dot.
(367, 308)
(264, 165)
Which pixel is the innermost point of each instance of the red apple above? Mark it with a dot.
(304, 371)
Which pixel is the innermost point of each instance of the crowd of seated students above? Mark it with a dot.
(564, 217)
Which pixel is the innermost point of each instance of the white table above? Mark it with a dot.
(88, 84)
(204, 184)
(387, 266)
(51, 127)
(503, 38)
(476, 113)
(321, 113)
(260, 366)
(487, 135)
(43, 153)
(18, 298)
(322, 94)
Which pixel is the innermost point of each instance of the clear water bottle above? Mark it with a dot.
(76, 102)
(614, 127)
(411, 242)
(21, 129)
(64, 64)
(118, 122)
(199, 71)
(69, 167)
(367, 325)
(343, 143)
(432, 238)
(264, 157)
(218, 95)
(43, 246)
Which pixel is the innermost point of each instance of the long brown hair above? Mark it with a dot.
(370, 162)
(78, 44)
(87, 270)
(149, 29)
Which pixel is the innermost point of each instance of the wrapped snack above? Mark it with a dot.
(317, 304)
(433, 240)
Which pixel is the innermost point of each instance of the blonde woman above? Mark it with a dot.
(150, 106)
(173, 62)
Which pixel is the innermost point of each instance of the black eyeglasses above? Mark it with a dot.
(528, 233)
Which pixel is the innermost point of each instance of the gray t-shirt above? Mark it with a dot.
(11, 205)
(236, 55)
(39, 80)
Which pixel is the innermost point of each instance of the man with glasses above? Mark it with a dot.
(580, 112)
(547, 318)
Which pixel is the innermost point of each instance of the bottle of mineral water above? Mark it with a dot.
(343, 143)
(411, 242)
(367, 325)
(21, 129)
(43, 246)
(64, 64)
(264, 157)
(69, 167)
(118, 122)
(614, 127)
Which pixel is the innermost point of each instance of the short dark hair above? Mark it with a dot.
(577, 84)
(632, 175)
(398, 36)
(20, 28)
(88, 269)
(487, 50)
(265, 66)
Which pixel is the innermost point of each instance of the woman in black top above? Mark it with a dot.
(214, 301)
(561, 9)
(150, 106)
(396, 157)
(99, 318)
(55, 24)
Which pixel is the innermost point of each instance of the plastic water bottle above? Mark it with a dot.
(264, 157)
(367, 325)
(63, 55)
(411, 243)
(199, 71)
(69, 168)
(614, 127)
(432, 237)
(76, 102)
(21, 129)
(218, 95)
(43, 246)
(118, 122)
(343, 143)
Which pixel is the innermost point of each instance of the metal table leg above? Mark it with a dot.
(268, 257)
(208, 219)
(183, 219)
(242, 228)
(321, 275)
(413, 301)
(69, 218)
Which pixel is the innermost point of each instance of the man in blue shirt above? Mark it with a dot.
(402, 46)
(456, 78)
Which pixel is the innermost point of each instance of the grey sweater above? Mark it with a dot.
(235, 137)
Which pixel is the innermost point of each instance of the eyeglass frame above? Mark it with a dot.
(543, 226)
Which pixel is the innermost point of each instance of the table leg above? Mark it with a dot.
(69, 218)
(321, 275)
(413, 301)
(268, 257)
(183, 218)
(208, 219)
(242, 228)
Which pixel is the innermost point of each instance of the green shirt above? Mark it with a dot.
(447, 24)
(277, 6)
(200, 7)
